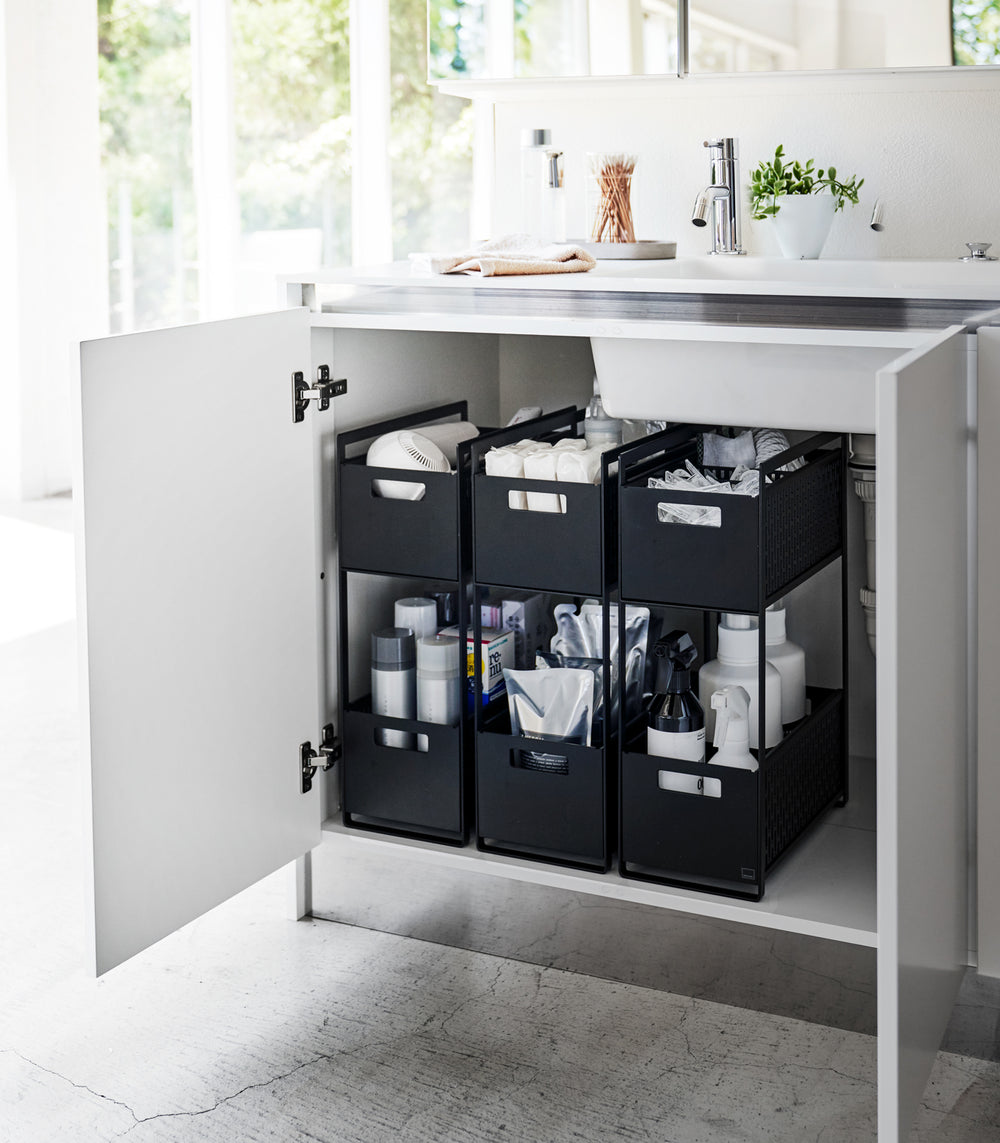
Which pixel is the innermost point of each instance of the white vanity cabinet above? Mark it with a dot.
(208, 626)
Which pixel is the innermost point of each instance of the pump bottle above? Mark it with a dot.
(676, 719)
(737, 665)
(732, 729)
(789, 660)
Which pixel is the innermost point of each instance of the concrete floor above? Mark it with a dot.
(469, 1010)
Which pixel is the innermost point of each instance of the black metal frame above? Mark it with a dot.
(527, 813)
(803, 776)
(438, 808)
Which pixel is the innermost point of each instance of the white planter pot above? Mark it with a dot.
(802, 223)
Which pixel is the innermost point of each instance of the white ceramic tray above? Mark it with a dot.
(645, 249)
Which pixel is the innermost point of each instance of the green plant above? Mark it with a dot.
(776, 177)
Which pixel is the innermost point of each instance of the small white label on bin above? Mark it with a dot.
(689, 784)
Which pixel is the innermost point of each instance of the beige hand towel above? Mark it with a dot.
(513, 254)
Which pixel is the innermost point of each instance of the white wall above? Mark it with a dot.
(924, 141)
(52, 233)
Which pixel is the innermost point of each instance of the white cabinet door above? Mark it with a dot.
(922, 737)
(198, 619)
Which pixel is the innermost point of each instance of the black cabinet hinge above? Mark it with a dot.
(322, 392)
(329, 750)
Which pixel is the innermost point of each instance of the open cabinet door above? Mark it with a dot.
(198, 620)
(922, 736)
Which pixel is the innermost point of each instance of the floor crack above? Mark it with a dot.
(79, 1086)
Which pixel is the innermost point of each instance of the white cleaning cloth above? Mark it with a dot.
(512, 254)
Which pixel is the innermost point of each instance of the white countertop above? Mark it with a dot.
(722, 275)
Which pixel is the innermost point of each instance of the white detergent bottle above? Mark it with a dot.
(789, 660)
(731, 706)
(737, 666)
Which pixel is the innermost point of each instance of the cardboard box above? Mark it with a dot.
(497, 652)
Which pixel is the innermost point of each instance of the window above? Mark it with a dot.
(233, 162)
(144, 56)
(976, 31)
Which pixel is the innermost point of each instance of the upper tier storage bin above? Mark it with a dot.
(381, 534)
(763, 545)
(570, 551)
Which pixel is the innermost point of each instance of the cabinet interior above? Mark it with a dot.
(826, 885)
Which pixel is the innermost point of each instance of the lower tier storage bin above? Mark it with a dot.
(711, 827)
(547, 800)
(399, 790)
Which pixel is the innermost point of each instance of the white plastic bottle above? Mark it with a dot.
(419, 613)
(535, 143)
(731, 706)
(737, 666)
(789, 660)
(439, 680)
(394, 682)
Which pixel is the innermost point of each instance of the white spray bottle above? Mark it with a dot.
(732, 729)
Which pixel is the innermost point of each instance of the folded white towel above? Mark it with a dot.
(512, 254)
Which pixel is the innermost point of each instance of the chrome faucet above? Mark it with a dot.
(722, 198)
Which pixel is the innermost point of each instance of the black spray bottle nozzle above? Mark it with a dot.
(675, 654)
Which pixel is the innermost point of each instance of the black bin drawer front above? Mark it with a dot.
(690, 565)
(761, 547)
(690, 838)
(382, 534)
(546, 551)
(558, 816)
(410, 790)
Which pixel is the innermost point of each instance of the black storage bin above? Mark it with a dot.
(733, 825)
(765, 545)
(556, 811)
(382, 534)
(420, 792)
(564, 552)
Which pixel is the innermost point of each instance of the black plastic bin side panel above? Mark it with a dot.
(556, 816)
(383, 534)
(547, 551)
(719, 567)
(408, 790)
(690, 838)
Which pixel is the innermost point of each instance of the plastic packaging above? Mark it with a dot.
(731, 706)
(737, 665)
(541, 465)
(582, 636)
(789, 660)
(547, 660)
(394, 682)
(582, 466)
(556, 704)
(676, 720)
